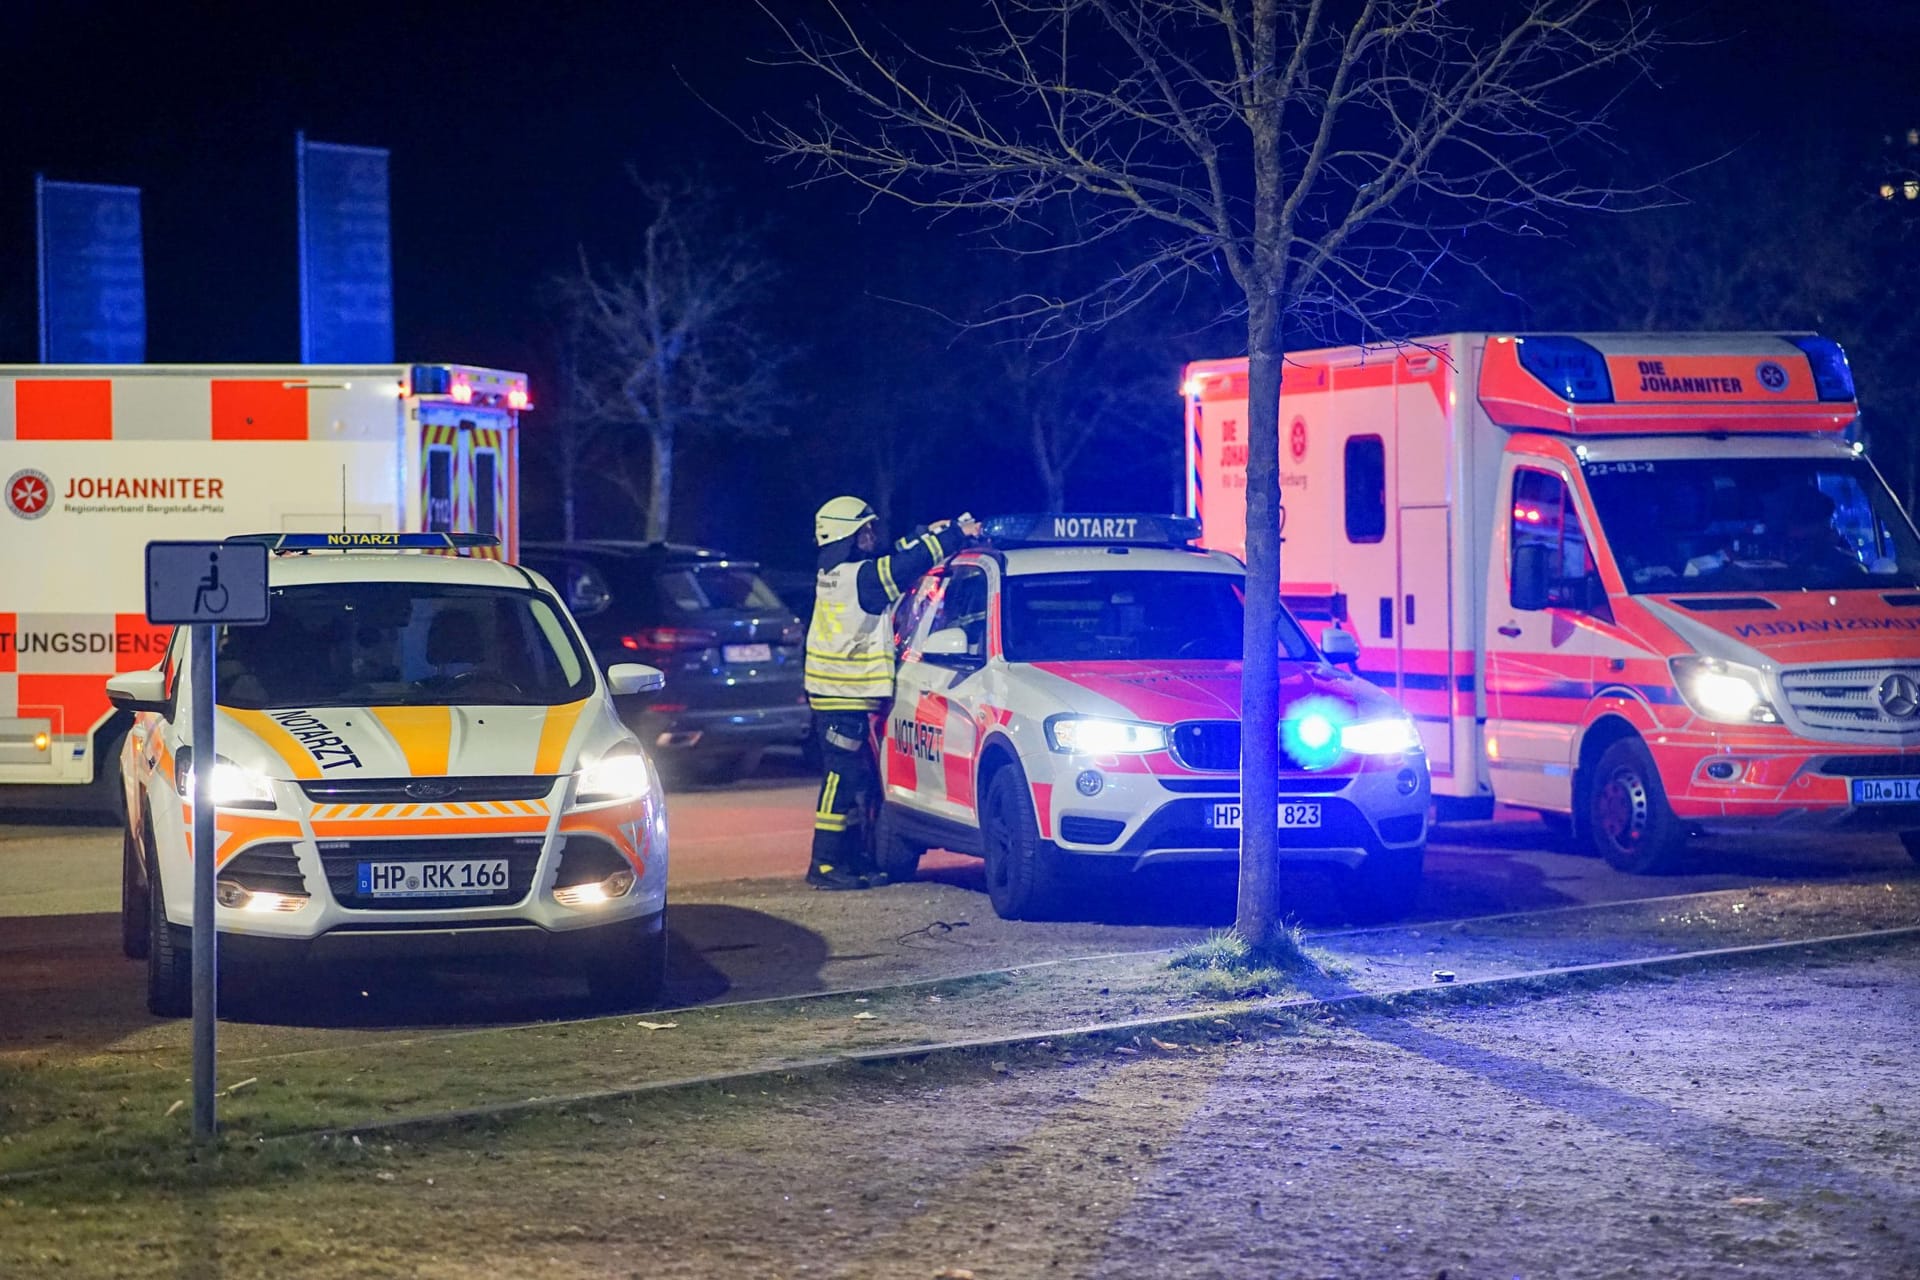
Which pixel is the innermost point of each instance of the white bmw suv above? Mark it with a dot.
(418, 760)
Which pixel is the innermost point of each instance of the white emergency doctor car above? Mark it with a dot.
(1068, 699)
(418, 760)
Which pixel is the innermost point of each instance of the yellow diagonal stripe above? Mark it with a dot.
(554, 733)
(423, 734)
(283, 744)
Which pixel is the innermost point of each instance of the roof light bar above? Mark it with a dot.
(369, 541)
(1104, 529)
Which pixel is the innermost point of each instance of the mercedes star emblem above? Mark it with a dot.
(1899, 696)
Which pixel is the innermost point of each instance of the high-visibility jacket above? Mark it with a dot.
(850, 641)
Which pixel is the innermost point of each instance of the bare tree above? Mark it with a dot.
(1315, 156)
(668, 345)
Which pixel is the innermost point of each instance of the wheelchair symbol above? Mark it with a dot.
(211, 596)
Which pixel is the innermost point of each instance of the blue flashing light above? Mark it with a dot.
(1832, 379)
(369, 541)
(431, 380)
(1083, 530)
(1571, 369)
(1310, 733)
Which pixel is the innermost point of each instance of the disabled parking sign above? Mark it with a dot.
(207, 583)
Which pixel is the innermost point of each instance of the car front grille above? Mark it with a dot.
(1870, 766)
(267, 868)
(427, 790)
(1211, 746)
(1078, 829)
(1849, 699)
(342, 858)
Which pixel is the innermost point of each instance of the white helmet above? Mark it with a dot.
(839, 518)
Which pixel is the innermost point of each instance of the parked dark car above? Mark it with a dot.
(732, 651)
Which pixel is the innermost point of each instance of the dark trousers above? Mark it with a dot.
(849, 793)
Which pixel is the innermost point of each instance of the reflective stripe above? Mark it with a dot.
(932, 544)
(829, 822)
(844, 704)
(842, 660)
(825, 808)
(886, 578)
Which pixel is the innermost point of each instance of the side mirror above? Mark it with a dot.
(1529, 586)
(138, 690)
(1339, 646)
(626, 678)
(948, 647)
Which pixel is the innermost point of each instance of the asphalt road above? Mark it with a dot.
(745, 926)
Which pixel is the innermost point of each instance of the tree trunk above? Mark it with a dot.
(1257, 919)
(660, 491)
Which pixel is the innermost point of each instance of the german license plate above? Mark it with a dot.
(747, 652)
(1886, 790)
(1226, 816)
(432, 879)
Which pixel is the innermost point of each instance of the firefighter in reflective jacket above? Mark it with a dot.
(850, 672)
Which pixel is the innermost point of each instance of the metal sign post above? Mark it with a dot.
(205, 586)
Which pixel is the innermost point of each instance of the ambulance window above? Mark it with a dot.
(1543, 516)
(484, 516)
(439, 490)
(964, 605)
(1366, 481)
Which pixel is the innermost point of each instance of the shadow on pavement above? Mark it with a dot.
(713, 949)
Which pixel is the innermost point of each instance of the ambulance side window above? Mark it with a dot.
(964, 605)
(1546, 534)
(1366, 482)
(486, 519)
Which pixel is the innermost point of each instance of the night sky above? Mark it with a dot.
(511, 126)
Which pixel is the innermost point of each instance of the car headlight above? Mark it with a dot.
(234, 787)
(1726, 692)
(1098, 736)
(1390, 735)
(618, 775)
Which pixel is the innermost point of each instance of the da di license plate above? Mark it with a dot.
(1293, 816)
(1886, 790)
(448, 879)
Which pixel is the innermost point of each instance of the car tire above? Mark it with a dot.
(1911, 839)
(634, 979)
(135, 918)
(894, 853)
(169, 957)
(1628, 820)
(1023, 871)
(1384, 886)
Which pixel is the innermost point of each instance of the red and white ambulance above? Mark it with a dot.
(97, 460)
(1641, 583)
(1067, 702)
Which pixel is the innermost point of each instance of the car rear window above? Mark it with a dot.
(710, 588)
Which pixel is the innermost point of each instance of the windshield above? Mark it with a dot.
(1068, 617)
(397, 644)
(704, 588)
(1753, 524)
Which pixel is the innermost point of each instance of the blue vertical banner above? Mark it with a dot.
(346, 265)
(93, 294)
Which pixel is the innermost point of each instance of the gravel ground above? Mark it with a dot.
(1751, 1120)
